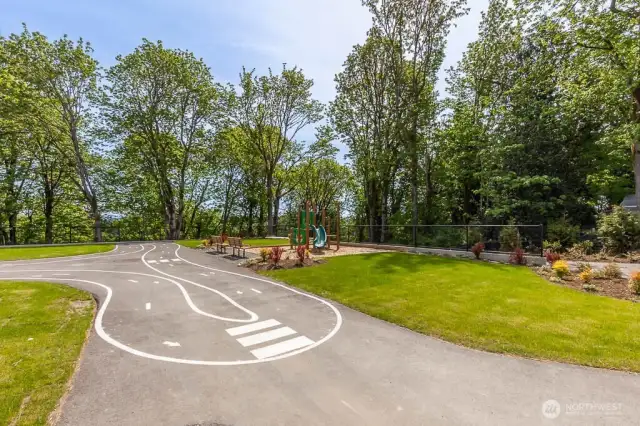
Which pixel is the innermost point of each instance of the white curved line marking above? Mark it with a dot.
(185, 294)
(74, 258)
(103, 334)
(253, 316)
(332, 333)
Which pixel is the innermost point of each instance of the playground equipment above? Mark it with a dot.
(308, 229)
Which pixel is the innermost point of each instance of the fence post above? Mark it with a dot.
(69, 234)
(542, 240)
(415, 235)
(467, 237)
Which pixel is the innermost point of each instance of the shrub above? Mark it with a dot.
(301, 251)
(611, 271)
(477, 249)
(619, 230)
(583, 267)
(580, 250)
(276, 255)
(509, 238)
(518, 257)
(204, 243)
(265, 253)
(634, 283)
(563, 232)
(552, 257)
(554, 246)
(586, 276)
(561, 268)
(590, 288)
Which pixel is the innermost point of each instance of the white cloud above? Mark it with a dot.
(318, 35)
(315, 35)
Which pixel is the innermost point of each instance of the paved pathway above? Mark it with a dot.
(186, 338)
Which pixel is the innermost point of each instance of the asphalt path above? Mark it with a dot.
(182, 337)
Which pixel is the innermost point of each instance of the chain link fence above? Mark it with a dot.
(496, 238)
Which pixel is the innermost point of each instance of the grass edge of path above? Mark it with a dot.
(618, 360)
(12, 253)
(59, 319)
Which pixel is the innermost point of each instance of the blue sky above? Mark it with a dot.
(316, 35)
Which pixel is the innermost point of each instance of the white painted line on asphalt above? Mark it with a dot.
(171, 344)
(176, 260)
(252, 315)
(156, 282)
(333, 332)
(147, 306)
(346, 404)
(153, 261)
(212, 273)
(164, 260)
(133, 281)
(204, 275)
(239, 292)
(256, 291)
(244, 329)
(36, 276)
(282, 347)
(266, 336)
(60, 275)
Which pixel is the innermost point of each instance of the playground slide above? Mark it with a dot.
(321, 237)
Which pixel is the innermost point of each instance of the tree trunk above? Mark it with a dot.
(48, 215)
(276, 212)
(13, 220)
(250, 219)
(261, 221)
(414, 186)
(97, 220)
(270, 204)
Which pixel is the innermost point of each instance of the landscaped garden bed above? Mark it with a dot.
(600, 283)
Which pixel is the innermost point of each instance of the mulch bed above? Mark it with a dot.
(257, 265)
(617, 288)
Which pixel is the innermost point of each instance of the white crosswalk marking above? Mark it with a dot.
(282, 347)
(244, 329)
(164, 260)
(256, 291)
(266, 336)
(175, 260)
(153, 261)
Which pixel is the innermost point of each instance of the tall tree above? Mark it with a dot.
(165, 106)
(66, 75)
(271, 110)
(419, 28)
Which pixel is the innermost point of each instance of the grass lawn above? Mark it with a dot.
(42, 330)
(497, 308)
(256, 242)
(190, 243)
(21, 253)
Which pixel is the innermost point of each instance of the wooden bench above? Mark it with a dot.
(236, 245)
(218, 243)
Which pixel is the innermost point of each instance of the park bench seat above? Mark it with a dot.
(219, 244)
(236, 246)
